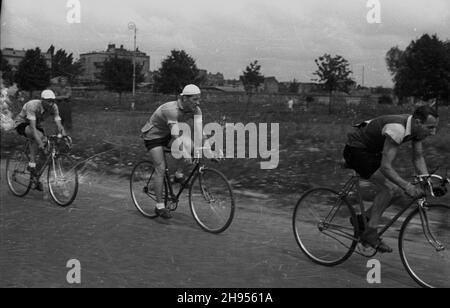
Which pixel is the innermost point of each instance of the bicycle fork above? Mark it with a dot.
(426, 227)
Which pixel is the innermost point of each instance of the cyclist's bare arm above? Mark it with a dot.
(61, 129)
(59, 125)
(198, 130)
(418, 158)
(389, 153)
(35, 134)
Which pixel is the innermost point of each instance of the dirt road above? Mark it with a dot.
(117, 247)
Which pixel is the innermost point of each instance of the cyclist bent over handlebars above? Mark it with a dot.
(158, 133)
(28, 124)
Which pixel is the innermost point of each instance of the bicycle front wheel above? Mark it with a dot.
(62, 180)
(17, 175)
(427, 262)
(142, 188)
(322, 227)
(211, 200)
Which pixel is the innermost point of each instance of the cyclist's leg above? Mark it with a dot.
(33, 152)
(159, 163)
(33, 145)
(389, 194)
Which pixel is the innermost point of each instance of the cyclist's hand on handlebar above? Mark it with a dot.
(43, 149)
(414, 192)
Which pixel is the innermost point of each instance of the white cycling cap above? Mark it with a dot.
(48, 94)
(190, 89)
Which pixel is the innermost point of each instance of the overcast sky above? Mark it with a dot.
(225, 36)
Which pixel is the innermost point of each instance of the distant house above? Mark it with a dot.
(271, 85)
(309, 87)
(235, 83)
(223, 89)
(92, 62)
(14, 57)
(215, 79)
(284, 87)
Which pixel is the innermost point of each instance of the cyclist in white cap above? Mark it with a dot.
(28, 124)
(157, 134)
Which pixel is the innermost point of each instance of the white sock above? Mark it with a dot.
(160, 206)
(32, 165)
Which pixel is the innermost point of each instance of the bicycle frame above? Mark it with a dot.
(421, 203)
(48, 157)
(176, 197)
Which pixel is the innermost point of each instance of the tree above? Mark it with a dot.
(251, 79)
(422, 70)
(63, 64)
(334, 74)
(33, 72)
(117, 75)
(6, 69)
(177, 70)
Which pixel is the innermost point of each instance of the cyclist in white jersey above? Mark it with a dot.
(159, 132)
(28, 124)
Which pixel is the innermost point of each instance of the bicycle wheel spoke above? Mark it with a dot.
(338, 239)
(322, 227)
(18, 177)
(427, 256)
(62, 180)
(142, 188)
(211, 201)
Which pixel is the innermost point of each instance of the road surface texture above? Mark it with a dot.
(117, 247)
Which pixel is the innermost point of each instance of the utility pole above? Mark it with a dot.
(363, 75)
(132, 26)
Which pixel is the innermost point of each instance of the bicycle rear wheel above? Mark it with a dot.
(17, 175)
(429, 267)
(142, 183)
(62, 180)
(211, 200)
(322, 227)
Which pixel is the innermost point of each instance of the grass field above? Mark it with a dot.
(311, 142)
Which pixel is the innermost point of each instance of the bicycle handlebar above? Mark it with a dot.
(425, 181)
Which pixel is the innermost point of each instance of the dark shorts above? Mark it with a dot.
(20, 129)
(362, 161)
(160, 142)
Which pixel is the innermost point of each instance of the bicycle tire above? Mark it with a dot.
(142, 193)
(434, 267)
(64, 173)
(20, 158)
(332, 252)
(208, 209)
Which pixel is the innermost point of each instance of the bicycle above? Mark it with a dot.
(327, 229)
(62, 176)
(211, 197)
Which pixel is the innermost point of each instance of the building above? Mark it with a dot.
(14, 57)
(305, 88)
(271, 85)
(215, 79)
(92, 62)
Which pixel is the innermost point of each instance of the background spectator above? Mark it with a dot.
(63, 95)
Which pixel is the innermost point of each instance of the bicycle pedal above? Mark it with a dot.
(366, 250)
